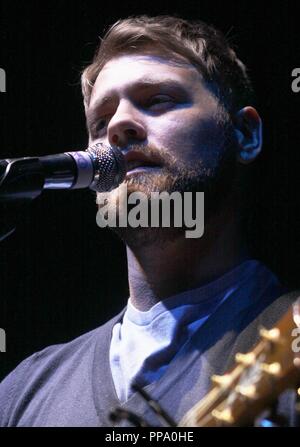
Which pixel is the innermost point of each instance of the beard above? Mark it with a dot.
(217, 182)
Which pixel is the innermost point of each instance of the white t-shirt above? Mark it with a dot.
(144, 343)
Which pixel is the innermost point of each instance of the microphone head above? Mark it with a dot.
(109, 167)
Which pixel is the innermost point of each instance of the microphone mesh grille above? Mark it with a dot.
(110, 167)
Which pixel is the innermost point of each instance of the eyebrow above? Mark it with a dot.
(145, 84)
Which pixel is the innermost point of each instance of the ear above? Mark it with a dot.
(248, 131)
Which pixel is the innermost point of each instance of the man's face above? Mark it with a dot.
(149, 105)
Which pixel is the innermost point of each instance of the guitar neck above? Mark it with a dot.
(256, 381)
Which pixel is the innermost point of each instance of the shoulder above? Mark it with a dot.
(44, 369)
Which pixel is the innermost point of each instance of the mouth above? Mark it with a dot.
(137, 162)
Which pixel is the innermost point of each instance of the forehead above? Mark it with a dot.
(127, 70)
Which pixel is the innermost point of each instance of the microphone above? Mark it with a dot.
(100, 168)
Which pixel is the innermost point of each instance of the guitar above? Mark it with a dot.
(256, 381)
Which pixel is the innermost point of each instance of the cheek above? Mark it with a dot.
(191, 137)
(172, 132)
(210, 135)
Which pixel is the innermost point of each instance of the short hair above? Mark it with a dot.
(201, 44)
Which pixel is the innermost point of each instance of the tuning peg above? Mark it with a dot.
(274, 369)
(272, 335)
(221, 380)
(245, 359)
(296, 362)
(248, 391)
(223, 415)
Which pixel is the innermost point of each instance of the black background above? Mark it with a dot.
(60, 274)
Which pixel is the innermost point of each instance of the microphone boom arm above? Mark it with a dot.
(100, 168)
(22, 180)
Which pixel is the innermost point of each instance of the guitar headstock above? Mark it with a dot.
(257, 379)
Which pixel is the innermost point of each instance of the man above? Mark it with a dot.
(174, 97)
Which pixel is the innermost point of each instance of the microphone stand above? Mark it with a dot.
(21, 181)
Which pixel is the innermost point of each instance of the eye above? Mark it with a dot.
(100, 125)
(159, 101)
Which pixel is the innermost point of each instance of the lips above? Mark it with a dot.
(140, 160)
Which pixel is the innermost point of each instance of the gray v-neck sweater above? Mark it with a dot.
(71, 385)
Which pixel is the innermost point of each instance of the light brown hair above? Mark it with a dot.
(201, 44)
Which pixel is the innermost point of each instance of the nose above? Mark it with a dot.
(126, 126)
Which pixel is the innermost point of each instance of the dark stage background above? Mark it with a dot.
(60, 275)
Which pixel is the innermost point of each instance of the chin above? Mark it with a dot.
(136, 238)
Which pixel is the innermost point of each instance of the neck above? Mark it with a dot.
(158, 272)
